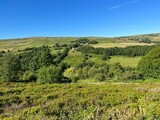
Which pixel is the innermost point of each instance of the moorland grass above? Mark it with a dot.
(79, 101)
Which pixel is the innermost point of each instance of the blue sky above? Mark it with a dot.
(107, 18)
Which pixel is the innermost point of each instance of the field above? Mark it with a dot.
(109, 45)
(20, 44)
(125, 101)
(74, 58)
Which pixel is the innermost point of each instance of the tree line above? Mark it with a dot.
(130, 51)
(38, 64)
(103, 72)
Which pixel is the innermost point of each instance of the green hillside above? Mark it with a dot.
(71, 78)
(21, 43)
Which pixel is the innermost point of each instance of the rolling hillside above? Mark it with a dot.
(22, 43)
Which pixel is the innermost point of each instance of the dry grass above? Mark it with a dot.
(108, 45)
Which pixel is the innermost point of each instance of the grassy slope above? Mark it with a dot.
(126, 61)
(79, 101)
(153, 37)
(16, 44)
(75, 58)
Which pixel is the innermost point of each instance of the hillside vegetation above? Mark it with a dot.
(80, 101)
(72, 60)
(22, 43)
(150, 64)
(80, 78)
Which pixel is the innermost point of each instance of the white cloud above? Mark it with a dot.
(123, 5)
(115, 7)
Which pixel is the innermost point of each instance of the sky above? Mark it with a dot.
(78, 18)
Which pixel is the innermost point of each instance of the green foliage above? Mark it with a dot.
(80, 101)
(145, 40)
(62, 56)
(105, 56)
(150, 64)
(116, 70)
(10, 68)
(74, 79)
(2, 53)
(73, 58)
(51, 74)
(84, 41)
(103, 72)
(59, 46)
(29, 76)
(36, 58)
(47, 75)
(130, 51)
(35, 63)
(85, 57)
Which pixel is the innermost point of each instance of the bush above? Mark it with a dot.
(105, 57)
(47, 75)
(74, 79)
(51, 74)
(100, 77)
(29, 76)
(150, 64)
(115, 71)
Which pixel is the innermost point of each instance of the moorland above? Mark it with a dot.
(80, 78)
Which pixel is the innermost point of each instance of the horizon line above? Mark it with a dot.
(76, 36)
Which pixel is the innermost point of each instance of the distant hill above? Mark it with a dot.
(152, 37)
(21, 43)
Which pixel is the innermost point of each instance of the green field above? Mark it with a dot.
(75, 58)
(20, 44)
(126, 101)
(125, 61)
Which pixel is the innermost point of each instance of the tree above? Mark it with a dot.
(36, 58)
(29, 76)
(149, 65)
(10, 68)
(52, 74)
(116, 71)
(47, 75)
(105, 56)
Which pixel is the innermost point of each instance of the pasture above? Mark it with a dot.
(74, 58)
(22, 43)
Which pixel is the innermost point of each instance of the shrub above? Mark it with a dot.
(74, 79)
(51, 74)
(150, 64)
(29, 76)
(10, 68)
(47, 75)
